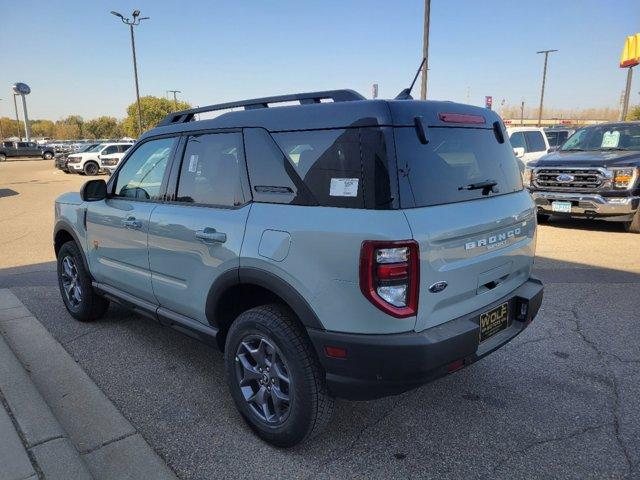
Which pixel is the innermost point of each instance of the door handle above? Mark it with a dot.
(209, 235)
(132, 223)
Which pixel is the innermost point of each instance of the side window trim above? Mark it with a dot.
(111, 185)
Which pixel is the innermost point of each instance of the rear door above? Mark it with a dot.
(117, 227)
(479, 241)
(196, 236)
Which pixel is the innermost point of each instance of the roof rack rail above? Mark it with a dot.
(304, 99)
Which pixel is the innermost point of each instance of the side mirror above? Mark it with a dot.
(93, 191)
(518, 152)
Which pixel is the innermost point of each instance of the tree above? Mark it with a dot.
(42, 128)
(103, 127)
(634, 113)
(153, 110)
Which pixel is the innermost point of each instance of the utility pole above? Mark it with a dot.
(132, 23)
(425, 49)
(1, 134)
(15, 106)
(627, 94)
(522, 113)
(175, 99)
(544, 79)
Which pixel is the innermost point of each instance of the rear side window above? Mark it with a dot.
(210, 171)
(535, 142)
(329, 164)
(441, 171)
(110, 149)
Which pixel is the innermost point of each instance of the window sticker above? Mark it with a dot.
(344, 187)
(610, 139)
(193, 163)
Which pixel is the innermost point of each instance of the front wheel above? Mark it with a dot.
(634, 225)
(91, 168)
(3, 157)
(275, 378)
(47, 155)
(75, 286)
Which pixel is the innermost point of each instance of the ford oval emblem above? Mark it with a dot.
(565, 177)
(438, 287)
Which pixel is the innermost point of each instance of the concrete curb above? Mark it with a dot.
(107, 443)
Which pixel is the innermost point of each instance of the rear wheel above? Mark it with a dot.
(91, 168)
(3, 157)
(47, 155)
(275, 378)
(75, 286)
(634, 225)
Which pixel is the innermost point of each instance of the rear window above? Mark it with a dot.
(439, 172)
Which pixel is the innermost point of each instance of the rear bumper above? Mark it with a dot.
(381, 365)
(588, 205)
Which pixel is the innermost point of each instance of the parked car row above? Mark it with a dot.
(94, 158)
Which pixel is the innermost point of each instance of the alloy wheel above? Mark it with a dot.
(264, 380)
(71, 281)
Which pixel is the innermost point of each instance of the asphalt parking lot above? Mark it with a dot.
(560, 401)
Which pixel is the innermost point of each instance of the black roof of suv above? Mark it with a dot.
(345, 108)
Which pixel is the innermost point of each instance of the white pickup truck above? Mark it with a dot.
(529, 143)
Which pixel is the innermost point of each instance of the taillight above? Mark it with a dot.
(389, 276)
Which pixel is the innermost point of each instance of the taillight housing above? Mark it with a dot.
(390, 275)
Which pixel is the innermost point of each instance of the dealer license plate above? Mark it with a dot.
(494, 321)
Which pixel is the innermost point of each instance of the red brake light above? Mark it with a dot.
(461, 118)
(389, 276)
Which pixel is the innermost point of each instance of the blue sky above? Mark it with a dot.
(77, 58)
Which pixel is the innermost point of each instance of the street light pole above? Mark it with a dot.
(15, 106)
(544, 79)
(425, 49)
(1, 134)
(132, 23)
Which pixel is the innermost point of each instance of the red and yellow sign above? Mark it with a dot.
(631, 52)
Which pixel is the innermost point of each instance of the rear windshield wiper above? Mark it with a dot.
(486, 186)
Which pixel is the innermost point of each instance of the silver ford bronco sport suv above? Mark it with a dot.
(341, 247)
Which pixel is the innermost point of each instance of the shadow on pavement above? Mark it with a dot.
(583, 224)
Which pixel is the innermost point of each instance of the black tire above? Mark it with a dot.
(91, 169)
(634, 225)
(47, 155)
(542, 218)
(309, 406)
(89, 306)
(3, 157)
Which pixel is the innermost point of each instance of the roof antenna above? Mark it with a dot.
(406, 93)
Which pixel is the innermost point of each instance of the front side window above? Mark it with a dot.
(517, 141)
(123, 148)
(141, 176)
(109, 150)
(535, 142)
(22, 145)
(210, 171)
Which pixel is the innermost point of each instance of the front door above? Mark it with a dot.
(198, 236)
(117, 228)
